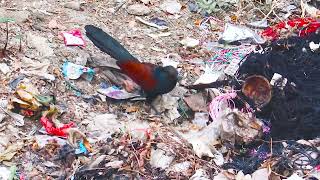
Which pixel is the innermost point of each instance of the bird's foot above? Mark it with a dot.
(155, 109)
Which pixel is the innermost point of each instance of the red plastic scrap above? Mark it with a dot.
(305, 26)
(22, 177)
(27, 113)
(52, 130)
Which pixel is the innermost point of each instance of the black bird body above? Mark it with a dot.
(154, 80)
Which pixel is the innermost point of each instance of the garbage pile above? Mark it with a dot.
(238, 98)
(291, 67)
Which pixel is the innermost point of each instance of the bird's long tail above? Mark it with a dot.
(107, 44)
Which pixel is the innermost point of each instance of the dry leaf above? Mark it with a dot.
(132, 109)
(11, 151)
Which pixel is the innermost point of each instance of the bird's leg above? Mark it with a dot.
(155, 109)
(150, 101)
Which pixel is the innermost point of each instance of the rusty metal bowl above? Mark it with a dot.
(258, 89)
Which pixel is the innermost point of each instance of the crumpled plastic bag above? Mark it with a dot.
(73, 38)
(27, 100)
(36, 68)
(74, 71)
(230, 126)
(238, 33)
(169, 105)
(4, 173)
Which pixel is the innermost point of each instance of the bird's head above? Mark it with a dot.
(171, 72)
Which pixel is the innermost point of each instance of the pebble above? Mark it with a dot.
(114, 164)
(4, 68)
(138, 10)
(73, 5)
(190, 42)
(40, 44)
(171, 6)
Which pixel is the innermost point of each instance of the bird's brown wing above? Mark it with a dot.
(140, 73)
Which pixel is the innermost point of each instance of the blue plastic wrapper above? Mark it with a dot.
(82, 149)
(74, 71)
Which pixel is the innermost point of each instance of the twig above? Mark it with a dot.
(134, 151)
(76, 166)
(273, 6)
(131, 170)
(12, 9)
(281, 141)
(276, 15)
(119, 7)
(271, 147)
(279, 174)
(20, 44)
(184, 141)
(303, 9)
(7, 39)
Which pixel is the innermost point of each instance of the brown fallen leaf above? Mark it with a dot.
(11, 151)
(196, 102)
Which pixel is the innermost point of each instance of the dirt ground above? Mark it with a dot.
(121, 134)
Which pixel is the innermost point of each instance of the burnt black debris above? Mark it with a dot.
(293, 110)
(253, 156)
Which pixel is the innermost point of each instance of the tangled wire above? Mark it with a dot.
(289, 156)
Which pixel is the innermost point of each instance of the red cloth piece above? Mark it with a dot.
(305, 26)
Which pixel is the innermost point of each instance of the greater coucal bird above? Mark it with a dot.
(154, 80)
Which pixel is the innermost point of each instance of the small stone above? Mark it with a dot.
(53, 24)
(138, 10)
(181, 167)
(4, 140)
(140, 46)
(193, 7)
(160, 158)
(4, 173)
(190, 42)
(125, 154)
(261, 174)
(145, 1)
(114, 164)
(202, 174)
(73, 5)
(111, 151)
(132, 24)
(171, 6)
(4, 68)
(40, 44)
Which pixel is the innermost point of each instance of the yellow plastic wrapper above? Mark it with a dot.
(25, 96)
